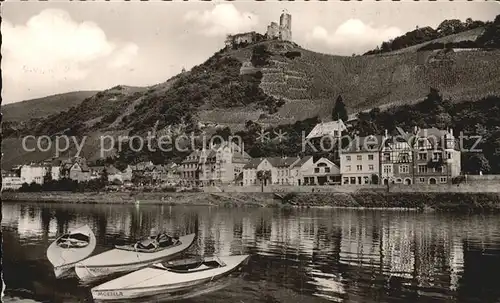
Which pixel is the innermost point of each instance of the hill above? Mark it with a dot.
(272, 83)
(42, 107)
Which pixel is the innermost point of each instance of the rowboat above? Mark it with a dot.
(168, 278)
(123, 259)
(69, 249)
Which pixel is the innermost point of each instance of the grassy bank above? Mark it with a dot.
(452, 202)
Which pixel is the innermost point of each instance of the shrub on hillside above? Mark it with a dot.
(260, 55)
(293, 54)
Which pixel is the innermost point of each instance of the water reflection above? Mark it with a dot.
(311, 255)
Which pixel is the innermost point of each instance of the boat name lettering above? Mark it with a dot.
(110, 293)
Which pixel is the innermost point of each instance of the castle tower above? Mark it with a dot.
(286, 27)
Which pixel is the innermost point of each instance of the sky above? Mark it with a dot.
(55, 47)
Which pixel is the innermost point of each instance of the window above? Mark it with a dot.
(387, 169)
(359, 167)
(438, 169)
(387, 156)
(359, 157)
(422, 156)
(353, 180)
(367, 181)
(404, 169)
(436, 156)
(327, 169)
(348, 168)
(371, 167)
(421, 180)
(404, 157)
(348, 158)
(422, 169)
(316, 170)
(346, 180)
(443, 180)
(370, 157)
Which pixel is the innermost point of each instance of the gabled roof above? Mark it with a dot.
(302, 161)
(253, 163)
(326, 129)
(365, 144)
(282, 161)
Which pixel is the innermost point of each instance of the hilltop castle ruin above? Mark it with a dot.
(282, 32)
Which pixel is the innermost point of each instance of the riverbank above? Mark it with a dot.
(443, 201)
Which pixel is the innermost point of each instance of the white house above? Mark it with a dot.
(299, 168)
(32, 173)
(331, 129)
(321, 172)
(252, 167)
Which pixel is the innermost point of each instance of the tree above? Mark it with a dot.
(339, 110)
(477, 163)
(263, 176)
(47, 178)
(104, 177)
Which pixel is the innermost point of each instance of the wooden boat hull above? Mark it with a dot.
(64, 259)
(153, 281)
(117, 261)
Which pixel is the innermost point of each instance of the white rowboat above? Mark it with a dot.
(69, 249)
(123, 260)
(168, 277)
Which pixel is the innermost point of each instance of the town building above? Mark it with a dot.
(222, 164)
(397, 161)
(33, 172)
(251, 169)
(322, 172)
(300, 168)
(190, 170)
(281, 169)
(76, 169)
(114, 174)
(11, 180)
(437, 155)
(218, 165)
(359, 162)
(332, 129)
(277, 170)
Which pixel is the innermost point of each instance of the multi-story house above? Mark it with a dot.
(281, 169)
(300, 168)
(437, 156)
(251, 169)
(396, 161)
(218, 165)
(75, 168)
(33, 173)
(190, 170)
(321, 172)
(113, 173)
(11, 180)
(359, 162)
(429, 156)
(222, 163)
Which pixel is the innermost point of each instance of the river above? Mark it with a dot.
(297, 255)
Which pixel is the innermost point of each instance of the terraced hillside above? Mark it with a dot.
(227, 90)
